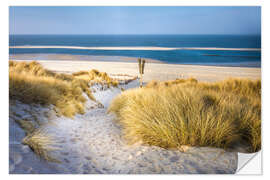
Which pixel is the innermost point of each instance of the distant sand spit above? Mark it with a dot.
(136, 48)
(77, 57)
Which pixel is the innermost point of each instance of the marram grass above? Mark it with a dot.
(30, 83)
(42, 144)
(186, 112)
(96, 77)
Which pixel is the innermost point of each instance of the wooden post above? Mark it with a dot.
(140, 64)
(140, 80)
(141, 70)
(143, 62)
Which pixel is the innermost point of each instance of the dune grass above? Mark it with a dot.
(96, 77)
(42, 144)
(157, 84)
(187, 112)
(27, 126)
(31, 83)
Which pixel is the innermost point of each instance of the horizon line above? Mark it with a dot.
(137, 34)
(134, 48)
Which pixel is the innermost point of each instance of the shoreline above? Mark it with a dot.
(73, 57)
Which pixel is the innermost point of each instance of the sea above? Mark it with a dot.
(218, 50)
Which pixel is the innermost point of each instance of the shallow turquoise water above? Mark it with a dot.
(246, 58)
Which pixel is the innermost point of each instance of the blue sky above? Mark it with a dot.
(135, 20)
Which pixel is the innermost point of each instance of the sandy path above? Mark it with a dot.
(103, 150)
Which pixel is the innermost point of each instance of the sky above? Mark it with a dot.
(134, 20)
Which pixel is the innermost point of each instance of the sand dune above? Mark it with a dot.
(92, 142)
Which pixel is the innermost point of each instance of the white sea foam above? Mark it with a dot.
(136, 48)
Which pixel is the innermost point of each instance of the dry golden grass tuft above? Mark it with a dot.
(187, 112)
(27, 126)
(158, 84)
(42, 144)
(96, 77)
(31, 83)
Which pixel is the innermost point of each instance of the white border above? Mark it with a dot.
(4, 65)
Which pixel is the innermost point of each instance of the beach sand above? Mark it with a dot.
(92, 142)
(154, 69)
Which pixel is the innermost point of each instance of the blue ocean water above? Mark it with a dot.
(245, 57)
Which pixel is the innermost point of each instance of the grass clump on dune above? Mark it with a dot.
(157, 84)
(96, 77)
(42, 144)
(31, 83)
(186, 112)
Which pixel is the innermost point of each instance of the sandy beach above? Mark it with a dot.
(92, 142)
(160, 72)
(154, 70)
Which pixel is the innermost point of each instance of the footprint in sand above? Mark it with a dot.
(66, 160)
(88, 158)
(74, 140)
(65, 153)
